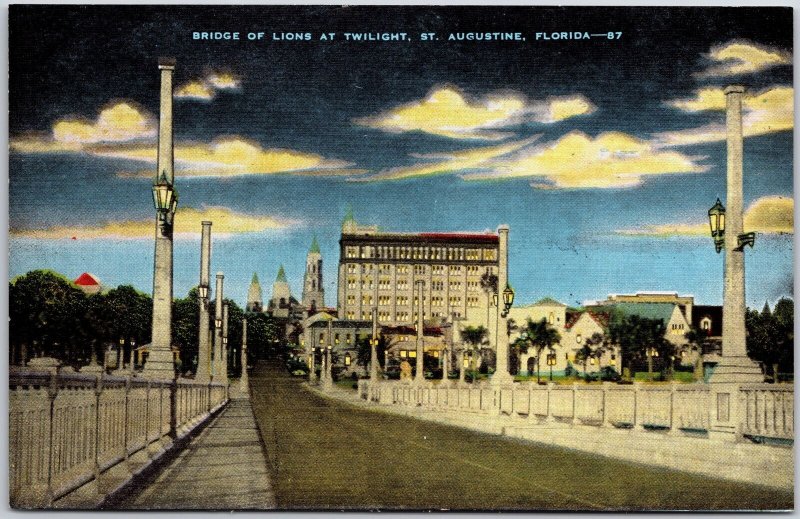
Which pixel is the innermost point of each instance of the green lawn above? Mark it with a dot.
(324, 454)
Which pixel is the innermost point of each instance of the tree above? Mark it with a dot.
(46, 315)
(511, 327)
(592, 347)
(489, 286)
(540, 335)
(474, 337)
(695, 340)
(364, 350)
(185, 329)
(634, 335)
(262, 333)
(770, 336)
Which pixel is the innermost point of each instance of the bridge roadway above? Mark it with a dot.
(321, 453)
(223, 468)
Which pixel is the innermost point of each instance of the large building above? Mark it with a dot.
(380, 269)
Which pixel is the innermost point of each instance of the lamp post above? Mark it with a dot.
(501, 374)
(651, 353)
(121, 354)
(217, 374)
(373, 347)
(734, 367)
(243, 380)
(551, 361)
(130, 356)
(223, 361)
(160, 363)
(419, 377)
(203, 372)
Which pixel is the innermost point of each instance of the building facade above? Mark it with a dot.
(379, 269)
(313, 292)
(255, 302)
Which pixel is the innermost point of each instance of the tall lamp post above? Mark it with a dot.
(203, 371)
(160, 363)
(223, 361)
(217, 374)
(734, 367)
(551, 361)
(501, 374)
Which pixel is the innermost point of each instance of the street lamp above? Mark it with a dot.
(202, 291)
(551, 361)
(716, 220)
(651, 352)
(508, 300)
(165, 199)
(218, 322)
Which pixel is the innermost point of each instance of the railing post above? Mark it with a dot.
(52, 393)
(673, 426)
(605, 422)
(173, 411)
(549, 417)
(575, 420)
(637, 419)
(125, 419)
(98, 391)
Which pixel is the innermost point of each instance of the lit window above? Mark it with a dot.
(347, 359)
(403, 354)
(579, 338)
(412, 354)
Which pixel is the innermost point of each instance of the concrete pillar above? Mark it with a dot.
(217, 374)
(735, 367)
(243, 380)
(373, 349)
(420, 375)
(501, 374)
(461, 365)
(223, 361)
(160, 363)
(203, 373)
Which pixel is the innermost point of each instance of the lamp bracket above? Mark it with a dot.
(748, 238)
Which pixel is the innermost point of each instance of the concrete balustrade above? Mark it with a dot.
(679, 409)
(69, 429)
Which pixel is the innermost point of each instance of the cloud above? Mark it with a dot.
(768, 111)
(229, 156)
(447, 112)
(743, 57)
(767, 215)
(197, 90)
(187, 224)
(576, 160)
(205, 89)
(457, 161)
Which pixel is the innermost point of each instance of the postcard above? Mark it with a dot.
(401, 258)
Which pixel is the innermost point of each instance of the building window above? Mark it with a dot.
(437, 285)
(352, 283)
(455, 269)
(455, 301)
(473, 254)
(352, 268)
(347, 338)
(351, 315)
(579, 338)
(351, 300)
(473, 270)
(551, 318)
(412, 354)
(351, 252)
(472, 302)
(438, 269)
(403, 354)
(347, 359)
(455, 285)
(705, 324)
(490, 254)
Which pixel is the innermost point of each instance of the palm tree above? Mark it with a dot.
(540, 335)
(474, 337)
(489, 286)
(592, 347)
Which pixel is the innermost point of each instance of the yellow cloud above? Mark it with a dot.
(452, 162)
(119, 122)
(447, 112)
(562, 108)
(741, 57)
(195, 90)
(610, 160)
(223, 80)
(767, 111)
(231, 156)
(187, 223)
(767, 215)
(770, 214)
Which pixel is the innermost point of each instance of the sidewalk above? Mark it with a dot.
(223, 468)
(744, 462)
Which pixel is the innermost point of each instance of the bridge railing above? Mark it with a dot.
(66, 429)
(767, 409)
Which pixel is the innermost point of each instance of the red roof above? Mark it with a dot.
(493, 238)
(87, 280)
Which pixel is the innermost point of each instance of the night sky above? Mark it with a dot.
(603, 155)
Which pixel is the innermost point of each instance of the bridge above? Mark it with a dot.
(83, 441)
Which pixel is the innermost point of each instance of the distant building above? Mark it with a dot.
(282, 304)
(344, 339)
(379, 269)
(313, 291)
(88, 283)
(685, 302)
(254, 300)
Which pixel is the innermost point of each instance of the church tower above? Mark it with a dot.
(254, 301)
(313, 291)
(281, 302)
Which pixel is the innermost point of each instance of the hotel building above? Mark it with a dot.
(380, 269)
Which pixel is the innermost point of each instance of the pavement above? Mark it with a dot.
(223, 468)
